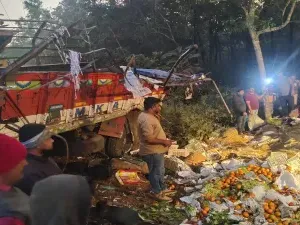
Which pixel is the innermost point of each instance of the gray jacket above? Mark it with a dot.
(14, 203)
(60, 200)
(239, 104)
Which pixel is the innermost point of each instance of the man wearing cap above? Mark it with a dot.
(14, 204)
(37, 139)
(153, 145)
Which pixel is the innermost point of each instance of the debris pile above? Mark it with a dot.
(235, 192)
(230, 179)
(233, 179)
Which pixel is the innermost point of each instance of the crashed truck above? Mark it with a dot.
(46, 80)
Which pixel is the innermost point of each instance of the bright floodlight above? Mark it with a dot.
(268, 80)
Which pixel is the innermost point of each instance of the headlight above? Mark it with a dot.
(268, 81)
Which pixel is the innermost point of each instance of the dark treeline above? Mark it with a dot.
(151, 28)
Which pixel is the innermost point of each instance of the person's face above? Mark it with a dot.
(157, 108)
(47, 144)
(14, 175)
(242, 92)
(251, 91)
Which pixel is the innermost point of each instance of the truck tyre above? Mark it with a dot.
(117, 147)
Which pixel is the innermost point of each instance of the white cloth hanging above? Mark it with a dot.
(75, 69)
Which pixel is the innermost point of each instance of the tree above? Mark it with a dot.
(35, 10)
(252, 10)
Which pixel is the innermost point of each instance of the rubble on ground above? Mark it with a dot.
(230, 179)
(245, 180)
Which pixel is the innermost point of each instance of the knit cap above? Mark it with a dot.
(31, 135)
(12, 152)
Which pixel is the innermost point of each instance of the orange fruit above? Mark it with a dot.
(206, 209)
(272, 205)
(270, 221)
(238, 207)
(267, 215)
(245, 214)
(274, 218)
(278, 214)
(204, 213)
(252, 195)
(270, 211)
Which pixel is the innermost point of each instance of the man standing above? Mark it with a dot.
(252, 100)
(153, 145)
(14, 204)
(285, 95)
(37, 139)
(240, 109)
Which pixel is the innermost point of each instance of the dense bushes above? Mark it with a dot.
(197, 119)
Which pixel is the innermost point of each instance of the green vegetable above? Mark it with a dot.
(248, 185)
(218, 218)
(163, 213)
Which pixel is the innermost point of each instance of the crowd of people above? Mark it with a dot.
(279, 99)
(32, 188)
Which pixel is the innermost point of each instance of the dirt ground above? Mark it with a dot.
(132, 196)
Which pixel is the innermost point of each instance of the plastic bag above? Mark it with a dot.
(206, 171)
(218, 208)
(188, 174)
(191, 201)
(287, 179)
(232, 164)
(254, 121)
(260, 192)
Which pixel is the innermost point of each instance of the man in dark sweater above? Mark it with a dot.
(240, 109)
(37, 139)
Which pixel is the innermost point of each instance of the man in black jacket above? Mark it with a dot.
(37, 139)
(240, 109)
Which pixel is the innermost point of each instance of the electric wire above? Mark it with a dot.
(67, 150)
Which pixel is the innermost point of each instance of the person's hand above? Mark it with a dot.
(250, 112)
(244, 113)
(167, 143)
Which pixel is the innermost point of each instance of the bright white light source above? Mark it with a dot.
(268, 81)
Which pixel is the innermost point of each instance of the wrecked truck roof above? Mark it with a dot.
(176, 78)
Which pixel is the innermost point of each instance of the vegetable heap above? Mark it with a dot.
(232, 199)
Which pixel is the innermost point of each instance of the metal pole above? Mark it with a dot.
(178, 61)
(226, 106)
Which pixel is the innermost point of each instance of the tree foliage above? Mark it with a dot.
(151, 28)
